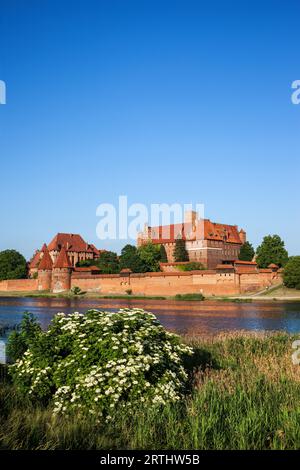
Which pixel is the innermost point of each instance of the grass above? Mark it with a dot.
(189, 297)
(245, 394)
(281, 292)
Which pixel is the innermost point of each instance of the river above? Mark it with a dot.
(192, 318)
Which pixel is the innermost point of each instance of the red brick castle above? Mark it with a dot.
(206, 242)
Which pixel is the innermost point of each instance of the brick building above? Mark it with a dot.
(206, 242)
(76, 247)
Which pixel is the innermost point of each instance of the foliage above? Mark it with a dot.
(86, 263)
(195, 296)
(108, 262)
(21, 339)
(77, 291)
(12, 265)
(245, 396)
(150, 254)
(102, 361)
(130, 259)
(291, 275)
(180, 253)
(163, 254)
(247, 252)
(271, 250)
(192, 266)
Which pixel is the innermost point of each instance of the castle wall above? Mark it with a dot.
(207, 282)
(44, 279)
(168, 284)
(19, 285)
(61, 279)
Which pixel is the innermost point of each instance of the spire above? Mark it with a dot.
(62, 260)
(46, 262)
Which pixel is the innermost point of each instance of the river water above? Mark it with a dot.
(192, 318)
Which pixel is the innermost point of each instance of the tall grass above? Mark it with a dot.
(245, 394)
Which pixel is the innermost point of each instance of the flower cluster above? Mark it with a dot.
(97, 362)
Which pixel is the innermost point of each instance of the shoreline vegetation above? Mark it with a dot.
(275, 293)
(244, 395)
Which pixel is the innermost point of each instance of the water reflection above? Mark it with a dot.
(196, 318)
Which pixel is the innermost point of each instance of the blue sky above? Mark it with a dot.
(163, 101)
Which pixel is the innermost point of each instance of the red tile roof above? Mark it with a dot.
(72, 242)
(62, 260)
(87, 269)
(237, 261)
(46, 262)
(187, 231)
(34, 262)
(225, 266)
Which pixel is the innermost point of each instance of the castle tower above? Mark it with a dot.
(242, 235)
(190, 217)
(61, 273)
(45, 270)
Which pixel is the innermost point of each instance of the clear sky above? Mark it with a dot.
(163, 101)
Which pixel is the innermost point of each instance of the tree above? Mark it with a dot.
(271, 250)
(192, 266)
(108, 262)
(130, 259)
(150, 255)
(180, 253)
(12, 265)
(291, 275)
(163, 254)
(19, 341)
(246, 252)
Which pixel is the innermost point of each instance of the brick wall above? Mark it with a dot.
(19, 285)
(168, 283)
(207, 282)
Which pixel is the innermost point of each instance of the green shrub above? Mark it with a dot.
(189, 296)
(20, 340)
(77, 291)
(192, 266)
(291, 275)
(102, 361)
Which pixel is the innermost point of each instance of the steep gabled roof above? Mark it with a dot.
(46, 262)
(62, 260)
(35, 260)
(205, 229)
(71, 242)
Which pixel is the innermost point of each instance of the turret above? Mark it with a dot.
(61, 273)
(243, 236)
(45, 270)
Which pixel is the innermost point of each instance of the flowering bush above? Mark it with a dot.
(99, 361)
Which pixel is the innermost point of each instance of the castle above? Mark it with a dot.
(217, 246)
(206, 242)
(76, 248)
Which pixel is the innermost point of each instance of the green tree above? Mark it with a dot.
(19, 341)
(85, 263)
(130, 259)
(247, 252)
(192, 266)
(163, 254)
(180, 253)
(291, 275)
(108, 262)
(12, 265)
(150, 255)
(271, 250)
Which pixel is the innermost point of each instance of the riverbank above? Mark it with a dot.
(245, 395)
(276, 293)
